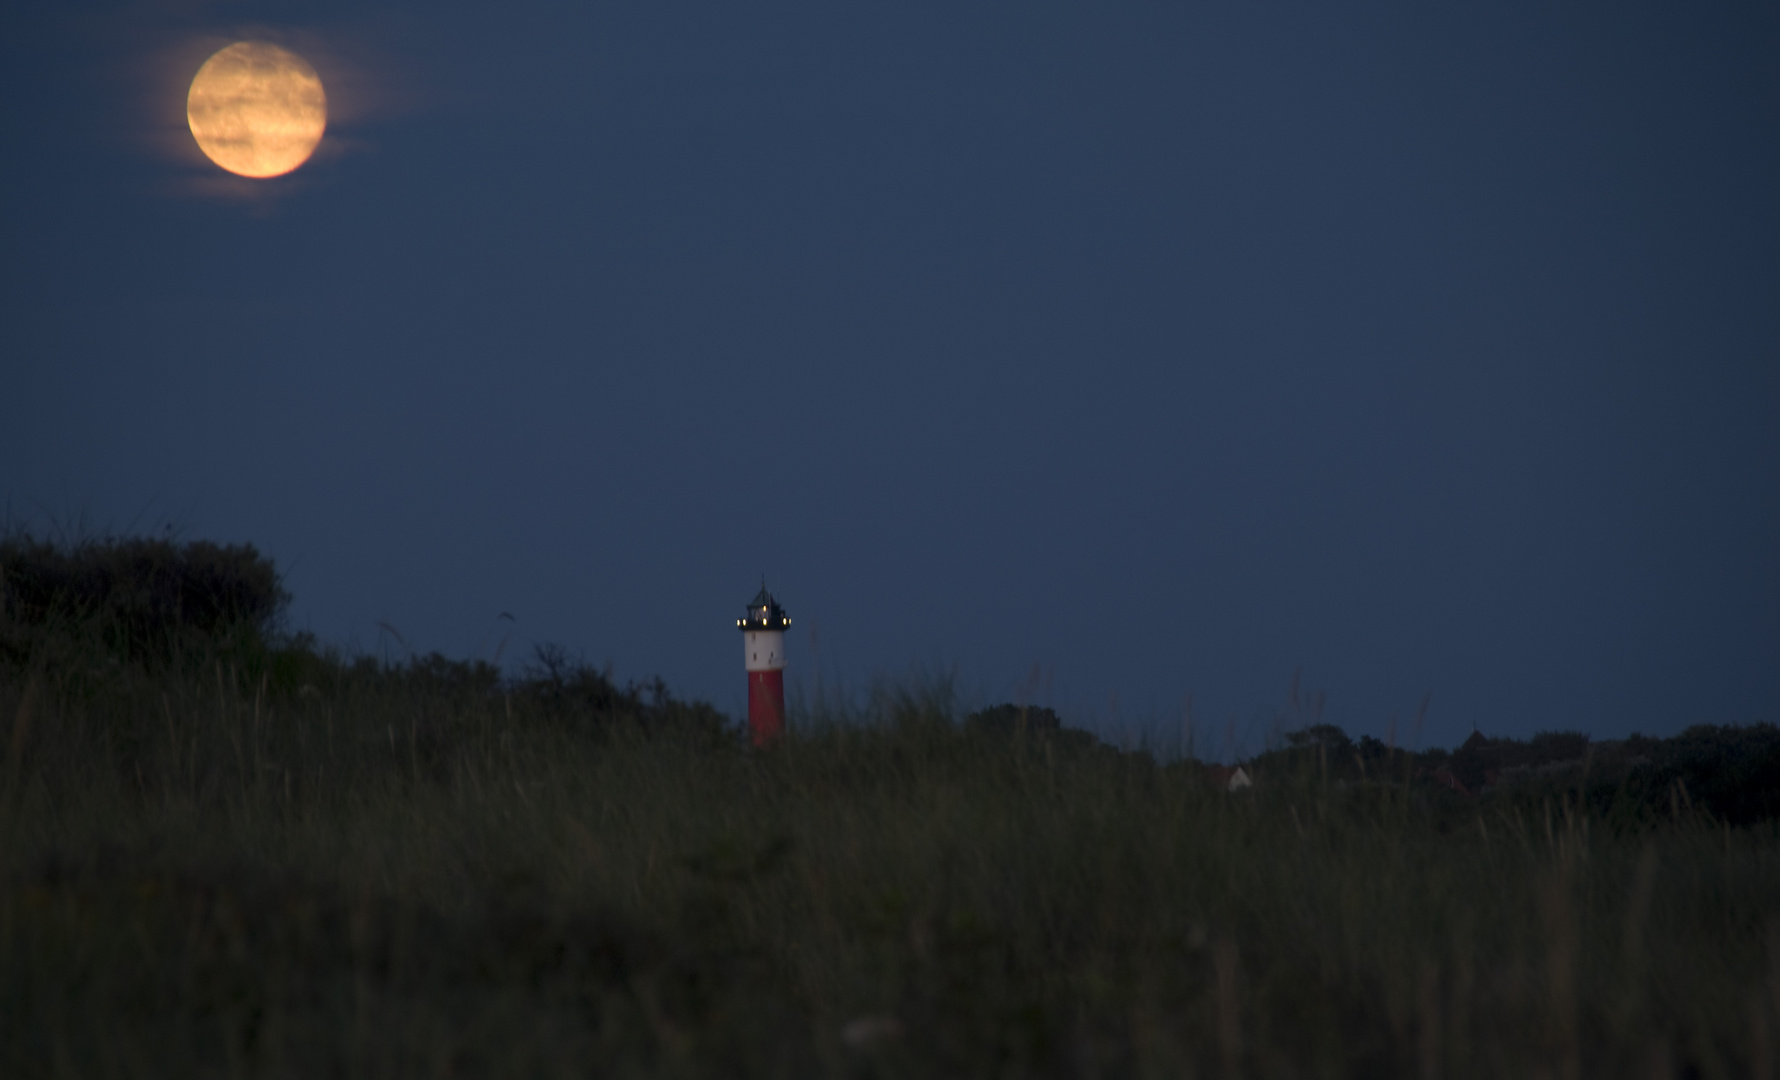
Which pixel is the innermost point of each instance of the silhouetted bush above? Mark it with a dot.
(1325, 752)
(575, 694)
(1028, 721)
(1011, 720)
(1482, 762)
(136, 599)
(1730, 773)
(1325, 736)
(1727, 774)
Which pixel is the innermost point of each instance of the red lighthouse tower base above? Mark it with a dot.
(763, 653)
(766, 706)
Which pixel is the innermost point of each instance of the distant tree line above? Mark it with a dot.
(1730, 773)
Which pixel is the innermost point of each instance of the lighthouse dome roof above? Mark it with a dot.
(764, 613)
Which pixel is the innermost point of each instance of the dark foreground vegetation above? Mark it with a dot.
(226, 853)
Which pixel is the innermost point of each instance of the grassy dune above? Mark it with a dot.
(220, 857)
(391, 873)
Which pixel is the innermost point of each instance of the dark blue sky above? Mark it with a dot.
(1171, 347)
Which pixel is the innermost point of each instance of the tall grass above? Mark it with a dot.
(303, 866)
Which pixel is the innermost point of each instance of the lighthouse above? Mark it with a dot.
(763, 653)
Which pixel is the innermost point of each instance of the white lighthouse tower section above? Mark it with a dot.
(764, 650)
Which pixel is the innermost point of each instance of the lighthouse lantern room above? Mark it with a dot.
(763, 653)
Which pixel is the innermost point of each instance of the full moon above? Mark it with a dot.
(256, 109)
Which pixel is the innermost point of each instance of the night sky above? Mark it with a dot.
(1432, 351)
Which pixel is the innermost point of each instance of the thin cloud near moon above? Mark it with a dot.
(256, 109)
(151, 60)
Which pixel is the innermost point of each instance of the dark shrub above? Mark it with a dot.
(1482, 762)
(578, 696)
(138, 599)
(1008, 720)
(1329, 737)
(1731, 773)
